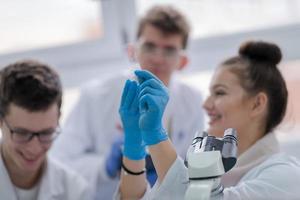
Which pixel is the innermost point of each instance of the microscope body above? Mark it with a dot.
(208, 158)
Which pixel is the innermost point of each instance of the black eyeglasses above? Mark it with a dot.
(22, 136)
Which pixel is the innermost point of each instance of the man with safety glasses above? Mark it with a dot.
(93, 132)
(30, 101)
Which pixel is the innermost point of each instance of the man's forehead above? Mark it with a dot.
(152, 34)
(163, 43)
(44, 118)
(13, 107)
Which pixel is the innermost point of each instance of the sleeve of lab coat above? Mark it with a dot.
(271, 180)
(117, 195)
(172, 187)
(174, 184)
(75, 146)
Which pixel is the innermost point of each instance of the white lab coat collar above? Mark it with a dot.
(256, 154)
(5, 183)
(266, 146)
(48, 183)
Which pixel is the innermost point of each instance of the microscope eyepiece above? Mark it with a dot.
(229, 150)
(230, 134)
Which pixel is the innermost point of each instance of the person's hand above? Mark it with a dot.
(134, 147)
(150, 171)
(113, 161)
(151, 177)
(153, 98)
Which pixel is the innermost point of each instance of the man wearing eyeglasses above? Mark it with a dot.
(30, 101)
(93, 133)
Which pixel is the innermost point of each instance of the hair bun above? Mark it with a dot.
(261, 51)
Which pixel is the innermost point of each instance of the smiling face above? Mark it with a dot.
(29, 157)
(228, 105)
(160, 53)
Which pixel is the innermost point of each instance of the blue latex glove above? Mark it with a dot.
(114, 162)
(150, 171)
(153, 98)
(134, 147)
(114, 159)
(151, 177)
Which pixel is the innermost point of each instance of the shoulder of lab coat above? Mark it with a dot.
(57, 182)
(276, 178)
(78, 133)
(60, 182)
(80, 145)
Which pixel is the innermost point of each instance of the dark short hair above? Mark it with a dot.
(166, 19)
(29, 84)
(256, 67)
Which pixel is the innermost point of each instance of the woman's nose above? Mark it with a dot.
(207, 104)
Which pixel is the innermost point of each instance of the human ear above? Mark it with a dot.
(259, 104)
(183, 62)
(131, 52)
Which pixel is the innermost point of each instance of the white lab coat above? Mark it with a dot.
(261, 173)
(94, 124)
(57, 183)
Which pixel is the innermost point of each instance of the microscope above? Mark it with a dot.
(208, 158)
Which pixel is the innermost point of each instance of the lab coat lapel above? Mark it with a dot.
(7, 190)
(51, 187)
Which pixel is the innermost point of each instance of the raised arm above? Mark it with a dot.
(133, 181)
(141, 111)
(153, 98)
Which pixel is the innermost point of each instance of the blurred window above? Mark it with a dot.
(31, 24)
(217, 17)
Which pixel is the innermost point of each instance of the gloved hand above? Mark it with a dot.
(151, 177)
(150, 170)
(134, 147)
(153, 98)
(114, 159)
